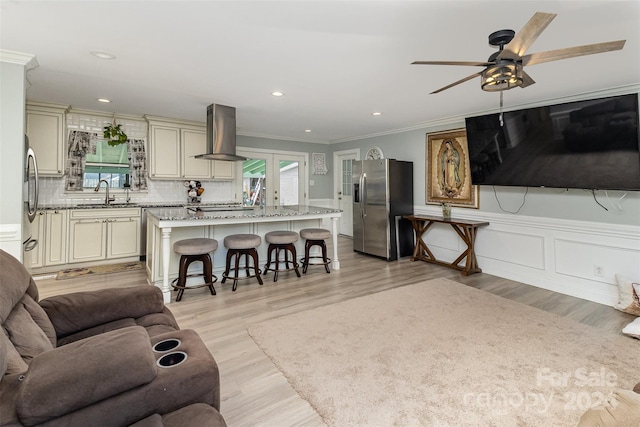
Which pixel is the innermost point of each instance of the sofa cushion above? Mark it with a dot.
(195, 415)
(198, 414)
(75, 312)
(154, 420)
(13, 362)
(14, 282)
(158, 319)
(88, 371)
(24, 332)
(627, 298)
(633, 329)
(96, 330)
(40, 317)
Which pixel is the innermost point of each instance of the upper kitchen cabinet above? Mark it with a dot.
(173, 147)
(164, 156)
(46, 125)
(194, 142)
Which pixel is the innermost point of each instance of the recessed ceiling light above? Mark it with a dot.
(376, 113)
(103, 55)
(307, 130)
(105, 100)
(277, 93)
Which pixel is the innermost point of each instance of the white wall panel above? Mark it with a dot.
(511, 247)
(578, 259)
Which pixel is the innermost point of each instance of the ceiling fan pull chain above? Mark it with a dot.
(501, 120)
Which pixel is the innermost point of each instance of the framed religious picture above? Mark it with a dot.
(449, 171)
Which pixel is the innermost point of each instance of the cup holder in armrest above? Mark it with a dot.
(170, 360)
(166, 345)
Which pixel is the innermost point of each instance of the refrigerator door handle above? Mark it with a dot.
(32, 209)
(363, 199)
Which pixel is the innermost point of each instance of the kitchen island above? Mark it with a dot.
(168, 225)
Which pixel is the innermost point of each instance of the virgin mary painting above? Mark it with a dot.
(449, 177)
(450, 183)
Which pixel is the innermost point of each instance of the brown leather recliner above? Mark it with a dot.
(88, 359)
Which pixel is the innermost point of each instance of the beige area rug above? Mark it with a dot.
(439, 353)
(99, 269)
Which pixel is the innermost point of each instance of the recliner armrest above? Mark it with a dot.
(79, 374)
(75, 312)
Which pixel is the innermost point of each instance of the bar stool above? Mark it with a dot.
(238, 245)
(281, 240)
(191, 250)
(315, 237)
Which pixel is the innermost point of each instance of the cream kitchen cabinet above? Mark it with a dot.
(222, 170)
(50, 229)
(100, 234)
(46, 129)
(194, 142)
(35, 257)
(164, 147)
(173, 148)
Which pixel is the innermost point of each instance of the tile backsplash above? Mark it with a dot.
(52, 192)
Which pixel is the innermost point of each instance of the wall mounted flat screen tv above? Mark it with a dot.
(592, 144)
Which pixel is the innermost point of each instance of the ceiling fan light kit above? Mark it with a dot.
(504, 75)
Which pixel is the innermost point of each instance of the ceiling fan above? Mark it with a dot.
(504, 69)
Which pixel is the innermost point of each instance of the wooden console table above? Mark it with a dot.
(466, 230)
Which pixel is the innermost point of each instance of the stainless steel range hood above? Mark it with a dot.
(221, 134)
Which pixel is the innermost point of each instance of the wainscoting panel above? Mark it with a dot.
(513, 247)
(609, 259)
(559, 255)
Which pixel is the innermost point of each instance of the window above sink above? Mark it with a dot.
(108, 162)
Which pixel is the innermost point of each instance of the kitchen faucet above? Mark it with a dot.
(107, 199)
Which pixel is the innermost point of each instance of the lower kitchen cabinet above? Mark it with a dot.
(56, 241)
(98, 234)
(49, 228)
(35, 257)
(123, 237)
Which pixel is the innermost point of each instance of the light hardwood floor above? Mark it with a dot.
(254, 392)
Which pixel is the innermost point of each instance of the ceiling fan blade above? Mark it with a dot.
(458, 82)
(526, 36)
(467, 63)
(571, 52)
(526, 80)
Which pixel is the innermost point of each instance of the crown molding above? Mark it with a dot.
(19, 58)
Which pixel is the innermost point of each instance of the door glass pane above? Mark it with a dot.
(289, 179)
(254, 182)
(346, 177)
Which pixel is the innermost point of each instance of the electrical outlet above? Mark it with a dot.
(598, 270)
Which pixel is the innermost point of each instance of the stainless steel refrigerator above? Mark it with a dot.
(382, 194)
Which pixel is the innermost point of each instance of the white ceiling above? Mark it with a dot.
(336, 61)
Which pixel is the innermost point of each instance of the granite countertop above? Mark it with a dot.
(114, 205)
(192, 213)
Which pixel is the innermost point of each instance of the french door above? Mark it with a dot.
(273, 178)
(343, 191)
